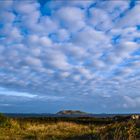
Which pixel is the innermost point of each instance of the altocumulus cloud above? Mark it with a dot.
(70, 54)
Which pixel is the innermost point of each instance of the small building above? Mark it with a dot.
(135, 117)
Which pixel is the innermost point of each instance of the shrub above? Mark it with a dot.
(4, 121)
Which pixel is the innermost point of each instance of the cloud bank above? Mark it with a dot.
(65, 53)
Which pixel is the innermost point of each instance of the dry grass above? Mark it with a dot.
(59, 130)
(36, 129)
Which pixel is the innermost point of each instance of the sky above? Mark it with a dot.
(61, 54)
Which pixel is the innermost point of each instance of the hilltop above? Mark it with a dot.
(71, 112)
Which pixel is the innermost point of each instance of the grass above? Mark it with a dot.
(67, 129)
(59, 130)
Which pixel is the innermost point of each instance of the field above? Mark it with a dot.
(62, 128)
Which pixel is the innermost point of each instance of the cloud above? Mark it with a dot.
(122, 52)
(70, 51)
(134, 17)
(90, 38)
(16, 94)
(102, 23)
(131, 102)
(56, 59)
(33, 62)
(67, 16)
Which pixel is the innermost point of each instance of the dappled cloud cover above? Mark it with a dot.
(78, 54)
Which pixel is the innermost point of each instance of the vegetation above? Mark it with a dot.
(62, 128)
(71, 112)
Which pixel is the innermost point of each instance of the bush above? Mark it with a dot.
(4, 121)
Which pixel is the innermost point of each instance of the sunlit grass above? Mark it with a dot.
(54, 130)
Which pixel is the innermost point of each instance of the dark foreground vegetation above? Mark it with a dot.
(64, 128)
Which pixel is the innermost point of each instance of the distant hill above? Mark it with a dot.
(71, 112)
